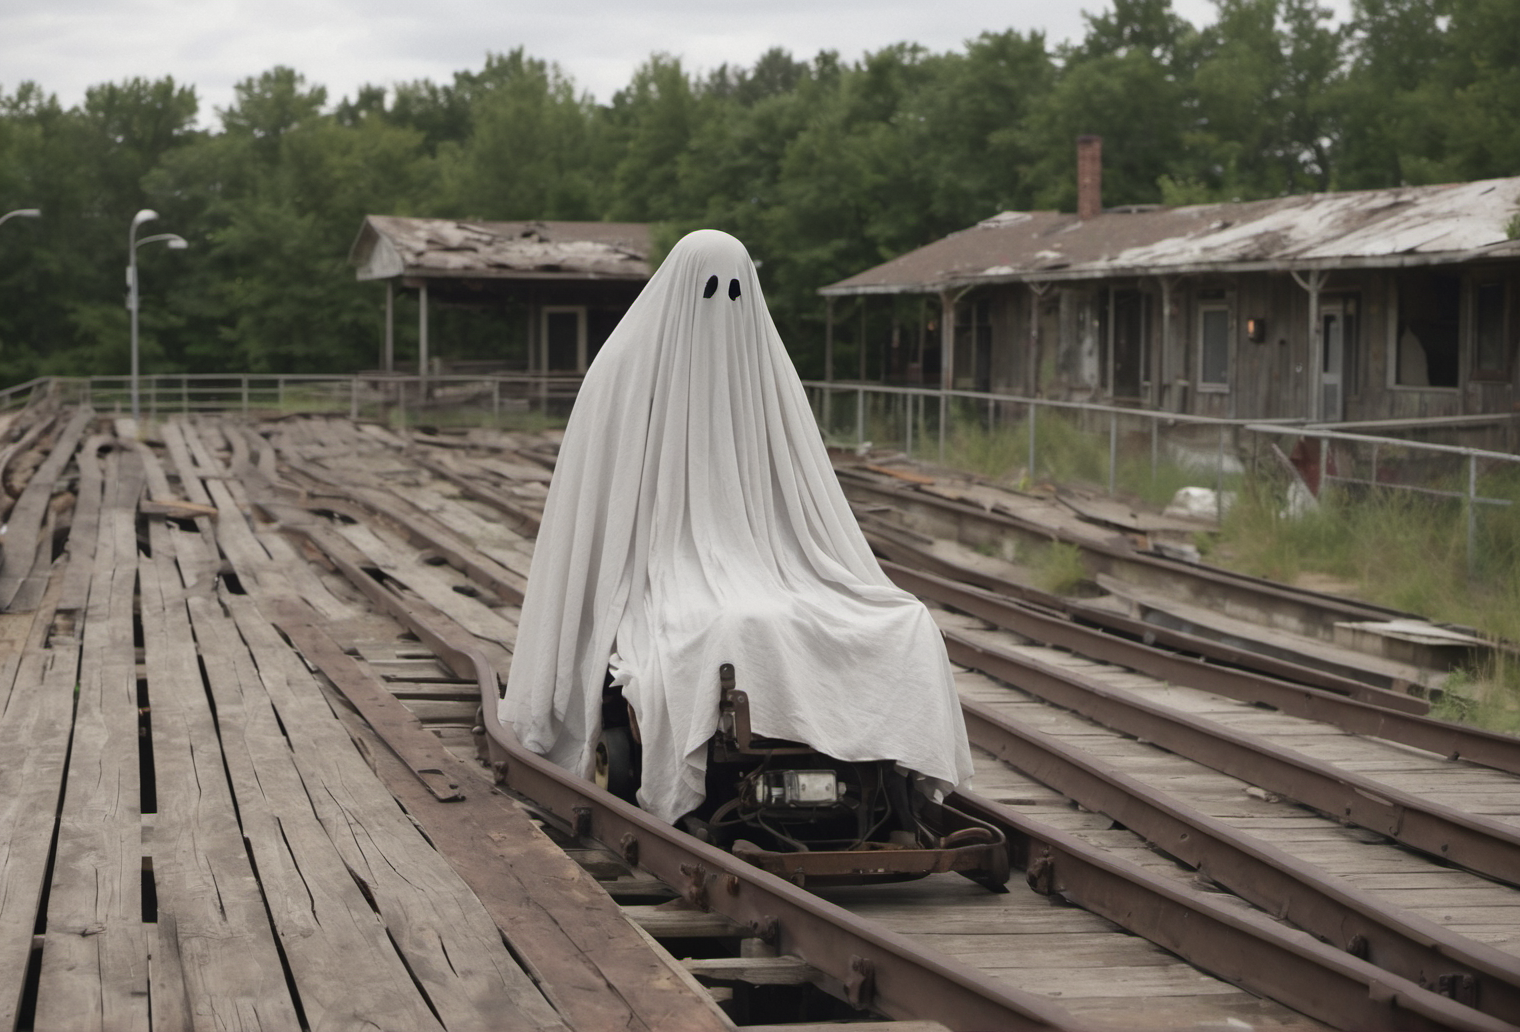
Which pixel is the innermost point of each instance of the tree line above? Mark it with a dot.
(823, 166)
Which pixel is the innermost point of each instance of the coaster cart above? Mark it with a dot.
(802, 815)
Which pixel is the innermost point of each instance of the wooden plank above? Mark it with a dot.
(346, 970)
(210, 910)
(452, 948)
(24, 526)
(41, 422)
(85, 530)
(558, 920)
(754, 970)
(34, 736)
(95, 954)
(497, 635)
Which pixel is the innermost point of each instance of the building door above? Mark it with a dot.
(1130, 353)
(1338, 328)
(564, 336)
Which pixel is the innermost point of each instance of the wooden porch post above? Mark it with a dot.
(422, 339)
(388, 355)
(1313, 282)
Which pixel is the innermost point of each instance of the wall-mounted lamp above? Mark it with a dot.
(1256, 330)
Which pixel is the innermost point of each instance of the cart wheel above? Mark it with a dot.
(615, 770)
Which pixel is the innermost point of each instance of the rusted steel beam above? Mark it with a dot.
(1472, 841)
(910, 558)
(1247, 949)
(1444, 738)
(1396, 940)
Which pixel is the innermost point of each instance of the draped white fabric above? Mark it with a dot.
(694, 519)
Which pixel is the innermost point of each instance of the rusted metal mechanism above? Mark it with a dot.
(1329, 907)
(871, 968)
(824, 821)
(1367, 716)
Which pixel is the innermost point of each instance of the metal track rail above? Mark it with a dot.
(1331, 908)
(1250, 950)
(895, 548)
(1477, 843)
(887, 973)
(870, 967)
(1207, 585)
(1444, 738)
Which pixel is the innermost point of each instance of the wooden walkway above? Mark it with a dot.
(199, 834)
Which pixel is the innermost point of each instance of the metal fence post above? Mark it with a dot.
(245, 394)
(944, 408)
(860, 417)
(496, 401)
(1219, 479)
(1324, 467)
(1155, 435)
(153, 398)
(1033, 409)
(1472, 514)
(280, 394)
(1113, 449)
(908, 448)
(353, 399)
(184, 394)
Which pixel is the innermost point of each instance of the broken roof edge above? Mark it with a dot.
(389, 247)
(1505, 249)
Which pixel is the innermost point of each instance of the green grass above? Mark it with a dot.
(1407, 551)
(1059, 569)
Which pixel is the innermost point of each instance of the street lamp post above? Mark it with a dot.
(176, 243)
(21, 213)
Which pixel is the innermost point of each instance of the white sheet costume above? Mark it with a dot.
(694, 519)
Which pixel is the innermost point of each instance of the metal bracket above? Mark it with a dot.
(860, 983)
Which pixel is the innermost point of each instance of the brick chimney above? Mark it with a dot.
(1089, 176)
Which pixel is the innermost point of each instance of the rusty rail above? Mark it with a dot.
(1357, 716)
(866, 965)
(885, 972)
(1329, 907)
(1475, 842)
(912, 557)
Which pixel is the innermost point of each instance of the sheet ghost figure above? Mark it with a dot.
(694, 519)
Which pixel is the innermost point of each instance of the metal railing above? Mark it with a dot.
(1220, 447)
(401, 398)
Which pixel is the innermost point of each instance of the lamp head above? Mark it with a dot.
(177, 243)
(146, 215)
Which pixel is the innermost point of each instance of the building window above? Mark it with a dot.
(1428, 346)
(1490, 339)
(1213, 344)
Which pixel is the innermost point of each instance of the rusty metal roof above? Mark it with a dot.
(1417, 225)
(389, 246)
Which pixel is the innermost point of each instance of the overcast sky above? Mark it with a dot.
(68, 45)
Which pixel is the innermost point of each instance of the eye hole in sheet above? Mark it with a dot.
(733, 290)
(712, 286)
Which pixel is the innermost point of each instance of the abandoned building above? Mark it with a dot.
(1379, 305)
(572, 281)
